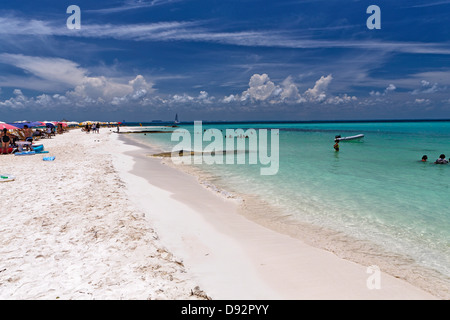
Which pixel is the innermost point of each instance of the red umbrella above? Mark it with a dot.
(7, 126)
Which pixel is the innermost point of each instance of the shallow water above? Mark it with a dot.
(375, 189)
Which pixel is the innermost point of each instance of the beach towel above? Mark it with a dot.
(7, 178)
(26, 153)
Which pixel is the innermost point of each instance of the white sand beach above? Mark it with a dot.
(68, 230)
(105, 221)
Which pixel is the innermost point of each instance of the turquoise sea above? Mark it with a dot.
(375, 190)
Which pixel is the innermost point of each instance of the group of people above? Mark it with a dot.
(440, 160)
(95, 128)
(23, 138)
(9, 140)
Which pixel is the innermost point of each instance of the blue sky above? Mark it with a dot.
(224, 60)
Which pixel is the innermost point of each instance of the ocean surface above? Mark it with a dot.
(375, 189)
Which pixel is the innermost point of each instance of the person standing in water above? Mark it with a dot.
(336, 145)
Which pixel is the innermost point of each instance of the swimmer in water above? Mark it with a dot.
(441, 160)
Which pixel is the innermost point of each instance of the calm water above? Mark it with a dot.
(376, 189)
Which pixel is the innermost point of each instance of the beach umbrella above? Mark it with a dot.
(22, 125)
(7, 126)
(35, 124)
(17, 125)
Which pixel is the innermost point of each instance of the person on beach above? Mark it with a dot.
(6, 139)
(441, 160)
(49, 132)
(38, 133)
(98, 127)
(28, 133)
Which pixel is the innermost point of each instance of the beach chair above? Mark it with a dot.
(21, 135)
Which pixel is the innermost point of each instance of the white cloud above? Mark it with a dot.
(204, 97)
(427, 88)
(390, 88)
(230, 98)
(341, 99)
(49, 69)
(197, 31)
(263, 90)
(289, 90)
(260, 88)
(19, 101)
(84, 89)
(422, 101)
(56, 73)
(87, 90)
(98, 89)
(133, 5)
(318, 92)
(181, 98)
(101, 90)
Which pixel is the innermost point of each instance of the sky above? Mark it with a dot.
(237, 60)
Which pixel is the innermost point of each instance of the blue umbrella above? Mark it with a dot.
(18, 125)
(35, 124)
(21, 125)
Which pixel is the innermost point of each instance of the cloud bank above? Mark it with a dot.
(82, 89)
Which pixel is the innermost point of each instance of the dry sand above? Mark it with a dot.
(104, 221)
(68, 230)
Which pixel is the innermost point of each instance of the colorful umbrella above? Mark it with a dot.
(7, 126)
(22, 125)
(35, 124)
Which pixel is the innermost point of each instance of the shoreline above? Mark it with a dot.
(278, 266)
